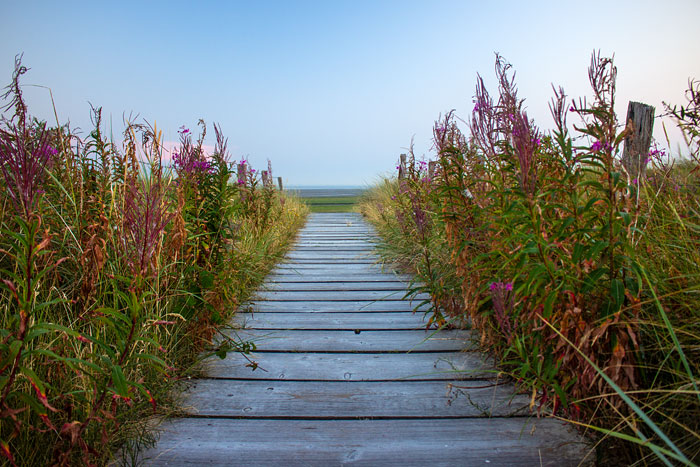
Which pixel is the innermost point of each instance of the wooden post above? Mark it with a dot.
(431, 168)
(402, 166)
(242, 173)
(279, 182)
(640, 118)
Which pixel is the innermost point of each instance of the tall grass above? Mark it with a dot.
(117, 267)
(581, 278)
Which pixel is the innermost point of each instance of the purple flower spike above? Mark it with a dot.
(526, 140)
(23, 162)
(503, 303)
(145, 214)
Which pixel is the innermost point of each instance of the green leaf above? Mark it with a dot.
(43, 305)
(115, 314)
(13, 351)
(207, 279)
(594, 184)
(159, 361)
(119, 381)
(578, 252)
(594, 251)
(625, 217)
(549, 303)
(592, 279)
(617, 292)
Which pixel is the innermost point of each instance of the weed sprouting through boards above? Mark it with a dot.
(580, 278)
(117, 268)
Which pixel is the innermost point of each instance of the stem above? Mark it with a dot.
(543, 257)
(611, 214)
(24, 316)
(100, 401)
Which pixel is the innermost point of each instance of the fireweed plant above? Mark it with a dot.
(580, 279)
(405, 209)
(119, 271)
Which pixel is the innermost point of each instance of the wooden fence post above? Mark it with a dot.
(279, 182)
(431, 168)
(242, 173)
(641, 119)
(402, 166)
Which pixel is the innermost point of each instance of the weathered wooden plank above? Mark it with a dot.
(333, 262)
(329, 295)
(332, 307)
(307, 249)
(337, 232)
(338, 224)
(313, 247)
(350, 341)
(348, 321)
(343, 217)
(344, 399)
(338, 235)
(312, 239)
(438, 442)
(358, 242)
(325, 215)
(335, 276)
(327, 251)
(337, 286)
(365, 255)
(347, 266)
(332, 274)
(330, 269)
(312, 366)
(369, 241)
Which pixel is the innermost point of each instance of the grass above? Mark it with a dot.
(331, 203)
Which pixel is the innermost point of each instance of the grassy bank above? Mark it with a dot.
(331, 203)
(118, 268)
(581, 277)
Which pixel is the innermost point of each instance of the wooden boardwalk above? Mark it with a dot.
(349, 375)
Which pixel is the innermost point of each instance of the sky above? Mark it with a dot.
(333, 91)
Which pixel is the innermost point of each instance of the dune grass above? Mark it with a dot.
(331, 203)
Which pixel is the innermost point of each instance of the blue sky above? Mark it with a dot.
(333, 91)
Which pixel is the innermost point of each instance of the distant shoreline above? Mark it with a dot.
(326, 192)
(325, 187)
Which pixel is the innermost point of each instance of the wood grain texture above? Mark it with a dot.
(438, 442)
(347, 321)
(329, 267)
(336, 284)
(399, 341)
(335, 295)
(311, 366)
(335, 276)
(340, 399)
(334, 306)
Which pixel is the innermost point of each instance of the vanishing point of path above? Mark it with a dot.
(349, 375)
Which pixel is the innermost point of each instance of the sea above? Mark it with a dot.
(321, 191)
